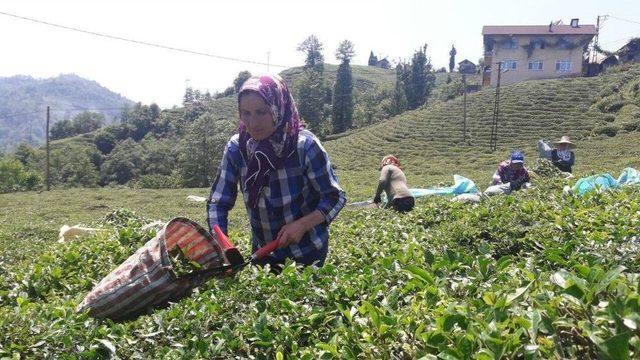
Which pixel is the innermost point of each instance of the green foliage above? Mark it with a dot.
(342, 105)
(201, 149)
(82, 123)
(122, 164)
(531, 275)
(399, 102)
(609, 130)
(452, 58)
(311, 93)
(419, 79)
(14, 176)
(345, 52)
(312, 47)
(75, 166)
(240, 79)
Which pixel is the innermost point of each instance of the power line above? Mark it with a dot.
(626, 20)
(139, 42)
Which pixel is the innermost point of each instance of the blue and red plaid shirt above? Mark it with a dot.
(305, 183)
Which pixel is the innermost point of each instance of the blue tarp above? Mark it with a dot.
(594, 182)
(461, 185)
(629, 176)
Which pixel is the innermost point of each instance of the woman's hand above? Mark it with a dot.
(291, 234)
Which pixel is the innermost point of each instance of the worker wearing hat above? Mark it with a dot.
(562, 156)
(512, 171)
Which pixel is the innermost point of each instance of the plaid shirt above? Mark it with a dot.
(305, 183)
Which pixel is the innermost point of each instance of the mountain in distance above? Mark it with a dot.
(24, 101)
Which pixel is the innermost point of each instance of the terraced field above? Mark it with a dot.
(429, 140)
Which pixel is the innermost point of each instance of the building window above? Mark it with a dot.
(535, 65)
(563, 66)
(510, 65)
(510, 43)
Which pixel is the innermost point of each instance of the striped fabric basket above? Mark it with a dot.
(147, 279)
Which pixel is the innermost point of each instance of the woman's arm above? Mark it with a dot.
(324, 181)
(224, 189)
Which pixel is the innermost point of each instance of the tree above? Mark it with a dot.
(312, 47)
(240, 79)
(399, 95)
(311, 93)
(373, 60)
(345, 51)
(201, 149)
(311, 88)
(342, 105)
(62, 129)
(421, 79)
(14, 176)
(87, 121)
(452, 58)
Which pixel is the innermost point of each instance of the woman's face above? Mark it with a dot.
(256, 116)
(563, 146)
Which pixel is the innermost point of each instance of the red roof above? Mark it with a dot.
(538, 30)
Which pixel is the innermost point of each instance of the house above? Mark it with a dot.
(630, 52)
(466, 67)
(384, 63)
(534, 51)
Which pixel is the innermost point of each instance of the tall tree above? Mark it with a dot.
(311, 88)
(312, 47)
(399, 95)
(422, 78)
(240, 79)
(452, 58)
(342, 105)
(373, 60)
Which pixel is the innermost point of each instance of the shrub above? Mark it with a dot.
(609, 117)
(609, 130)
(14, 177)
(631, 125)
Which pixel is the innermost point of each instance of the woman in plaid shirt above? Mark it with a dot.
(287, 182)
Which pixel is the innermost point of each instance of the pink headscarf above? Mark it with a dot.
(264, 156)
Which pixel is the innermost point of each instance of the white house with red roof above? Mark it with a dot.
(535, 51)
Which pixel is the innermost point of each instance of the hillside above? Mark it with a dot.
(23, 103)
(429, 140)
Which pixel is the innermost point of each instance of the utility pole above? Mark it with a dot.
(268, 56)
(594, 52)
(496, 113)
(464, 108)
(48, 152)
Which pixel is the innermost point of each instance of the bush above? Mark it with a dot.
(609, 117)
(609, 130)
(14, 177)
(158, 181)
(631, 125)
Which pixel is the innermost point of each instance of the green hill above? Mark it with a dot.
(24, 100)
(429, 141)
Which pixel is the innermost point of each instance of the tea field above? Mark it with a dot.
(534, 275)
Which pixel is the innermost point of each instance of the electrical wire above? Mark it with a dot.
(139, 42)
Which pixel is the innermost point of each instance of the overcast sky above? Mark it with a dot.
(251, 29)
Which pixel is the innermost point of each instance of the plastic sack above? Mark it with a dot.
(544, 150)
(629, 176)
(501, 189)
(595, 182)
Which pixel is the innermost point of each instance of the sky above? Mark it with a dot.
(260, 31)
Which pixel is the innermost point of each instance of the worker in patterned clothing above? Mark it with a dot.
(288, 185)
